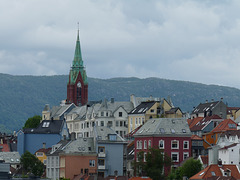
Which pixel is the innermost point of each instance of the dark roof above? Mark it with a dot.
(143, 107)
(201, 108)
(45, 150)
(231, 133)
(46, 127)
(173, 110)
(205, 121)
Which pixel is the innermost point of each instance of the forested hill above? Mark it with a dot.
(26, 96)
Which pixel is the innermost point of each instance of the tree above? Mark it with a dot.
(31, 164)
(188, 169)
(154, 164)
(33, 122)
(191, 167)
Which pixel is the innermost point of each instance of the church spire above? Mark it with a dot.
(77, 61)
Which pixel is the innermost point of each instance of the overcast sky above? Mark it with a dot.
(195, 41)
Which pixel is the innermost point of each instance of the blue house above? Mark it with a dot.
(111, 149)
(48, 133)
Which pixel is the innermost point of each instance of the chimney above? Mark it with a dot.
(221, 98)
(219, 162)
(212, 100)
(112, 100)
(44, 145)
(73, 136)
(206, 101)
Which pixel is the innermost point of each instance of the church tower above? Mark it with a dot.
(77, 87)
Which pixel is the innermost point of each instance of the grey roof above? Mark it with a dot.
(143, 107)
(80, 145)
(112, 106)
(60, 146)
(59, 110)
(165, 127)
(202, 107)
(10, 157)
(173, 110)
(46, 127)
(102, 134)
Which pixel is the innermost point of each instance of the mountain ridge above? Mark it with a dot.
(23, 96)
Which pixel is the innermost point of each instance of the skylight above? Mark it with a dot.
(184, 130)
(162, 130)
(173, 131)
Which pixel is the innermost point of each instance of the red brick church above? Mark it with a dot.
(77, 87)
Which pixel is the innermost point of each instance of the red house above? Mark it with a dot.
(170, 134)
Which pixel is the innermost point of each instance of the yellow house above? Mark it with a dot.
(233, 113)
(41, 154)
(142, 113)
(152, 109)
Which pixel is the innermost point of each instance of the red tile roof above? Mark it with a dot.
(208, 171)
(232, 145)
(202, 123)
(44, 150)
(140, 178)
(204, 159)
(225, 125)
(192, 122)
(5, 148)
(196, 137)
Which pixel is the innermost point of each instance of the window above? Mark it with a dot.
(117, 123)
(102, 123)
(145, 144)
(120, 114)
(152, 110)
(112, 137)
(101, 149)
(106, 113)
(140, 144)
(174, 156)
(173, 131)
(139, 120)
(87, 125)
(92, 163)
(161, 144)
(131, 121)
(175, 144)
(144, 157)
(101, 162)
(102, 113)
(185, 155)
(39, 154)
(109, 123)
(149, 144)
(136, 121)
(185, 145)
(121, 123)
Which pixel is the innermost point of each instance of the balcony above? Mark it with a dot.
(102, 154)
(101, 167)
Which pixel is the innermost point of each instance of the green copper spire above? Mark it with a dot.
(77, 61)
(77, 65)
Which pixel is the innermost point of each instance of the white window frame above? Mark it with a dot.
(175, 153)
(187, 144)
(172, 144)
(149, 144)
(145, 144)
(161, 140)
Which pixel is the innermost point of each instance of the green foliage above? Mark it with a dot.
(64, 178)
(191, 167)
(154, 165)
(32, 122)
(31, 164)
(24, 96)
(188, 169)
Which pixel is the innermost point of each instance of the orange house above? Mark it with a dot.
(74, 164)
(211, 138)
